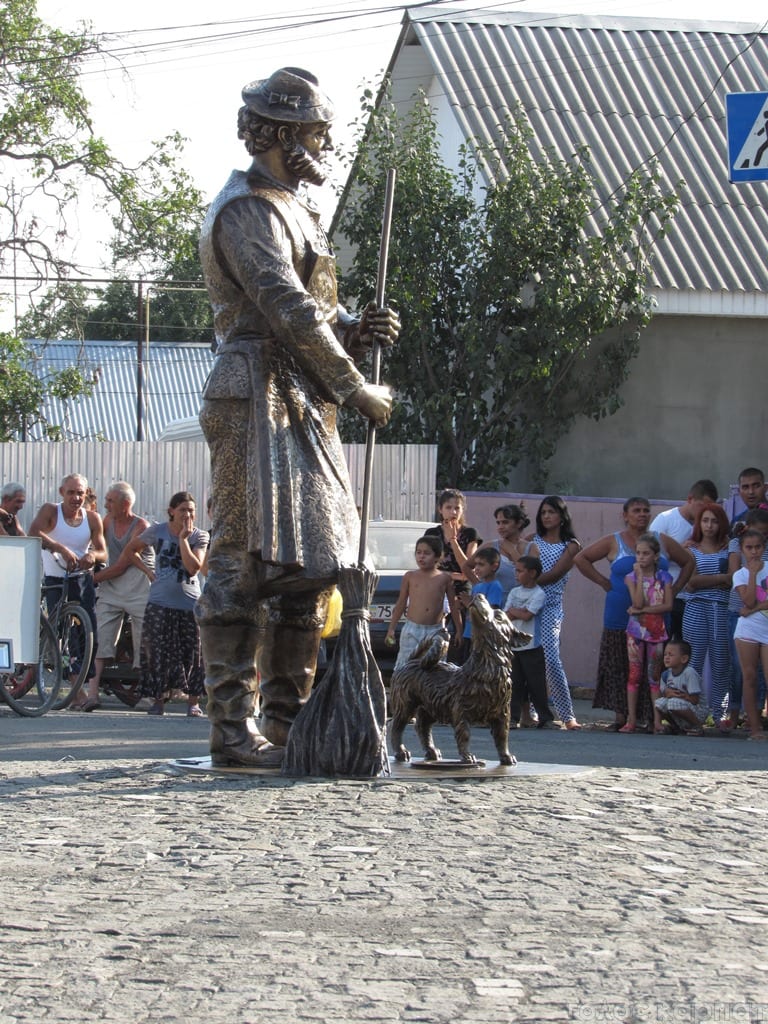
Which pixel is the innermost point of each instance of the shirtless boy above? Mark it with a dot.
(423, 594)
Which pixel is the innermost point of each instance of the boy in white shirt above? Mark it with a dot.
(529, 677)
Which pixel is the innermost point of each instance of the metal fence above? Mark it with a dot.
(403, 485)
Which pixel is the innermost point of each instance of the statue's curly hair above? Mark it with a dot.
(259, 133)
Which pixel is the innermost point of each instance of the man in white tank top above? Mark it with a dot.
(68, 531)
(72, 534)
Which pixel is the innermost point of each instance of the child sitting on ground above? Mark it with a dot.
(681, 701)
(485, 565)
(422, 598)
(524, 605)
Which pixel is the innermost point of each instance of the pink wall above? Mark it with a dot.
(592, 518)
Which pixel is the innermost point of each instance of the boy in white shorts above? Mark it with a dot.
(422, 598)
(682, 698)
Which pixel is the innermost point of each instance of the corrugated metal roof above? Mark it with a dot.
(629, 89)
(173, 376)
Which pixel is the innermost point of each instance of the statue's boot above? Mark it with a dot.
(287, 663)
(231, 683)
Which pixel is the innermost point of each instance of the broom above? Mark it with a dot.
(341, 730)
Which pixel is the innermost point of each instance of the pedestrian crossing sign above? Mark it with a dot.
(746, 115)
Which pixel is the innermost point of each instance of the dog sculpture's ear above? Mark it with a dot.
(520, 639)
(514, 637)
(502, 621)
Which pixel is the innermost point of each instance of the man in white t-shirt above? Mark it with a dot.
(677, 523)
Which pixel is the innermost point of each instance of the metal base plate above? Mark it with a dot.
(416, 770)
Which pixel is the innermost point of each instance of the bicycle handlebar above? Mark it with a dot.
(70, 574)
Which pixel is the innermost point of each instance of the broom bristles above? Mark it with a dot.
(341, 730)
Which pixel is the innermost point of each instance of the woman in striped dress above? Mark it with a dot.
(558, 547)
(705, 620)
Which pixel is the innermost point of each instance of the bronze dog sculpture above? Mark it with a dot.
(475, 693)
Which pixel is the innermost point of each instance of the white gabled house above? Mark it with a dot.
(633, 90)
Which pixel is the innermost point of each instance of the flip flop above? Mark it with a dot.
(89, 704)
(627, 728)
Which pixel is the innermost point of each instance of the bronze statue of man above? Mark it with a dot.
(283, 514)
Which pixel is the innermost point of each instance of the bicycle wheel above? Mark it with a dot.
(34, 688)
(75, 633)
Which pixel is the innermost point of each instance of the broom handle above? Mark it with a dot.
(370, 441)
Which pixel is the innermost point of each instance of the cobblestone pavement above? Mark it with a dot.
(135, 894)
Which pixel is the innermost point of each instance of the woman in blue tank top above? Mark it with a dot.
(619, 550)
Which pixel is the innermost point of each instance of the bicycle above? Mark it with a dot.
(31, 690)
(118, 676)
(75, 633)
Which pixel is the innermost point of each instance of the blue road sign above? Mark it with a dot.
(746, 115)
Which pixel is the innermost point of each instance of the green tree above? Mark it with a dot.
(51, 158)
(23, 390)
(50, 154)
(178, 306)
(522, 302)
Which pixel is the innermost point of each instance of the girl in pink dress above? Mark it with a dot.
(650, 591)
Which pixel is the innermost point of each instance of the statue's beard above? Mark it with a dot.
(304, 166)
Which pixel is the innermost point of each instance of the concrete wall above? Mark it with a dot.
(695, 406)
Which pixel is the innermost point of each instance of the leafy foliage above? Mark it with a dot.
(522, 302)
(23, 389)
(50, 155)
(52, 163)
(178, 307)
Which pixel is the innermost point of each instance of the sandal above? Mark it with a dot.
(86, 704)
(626, 728)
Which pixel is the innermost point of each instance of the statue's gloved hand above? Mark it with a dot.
(382, 325)
(379, 324)
(374, 401)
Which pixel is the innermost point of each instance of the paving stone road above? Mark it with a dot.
(132, 893)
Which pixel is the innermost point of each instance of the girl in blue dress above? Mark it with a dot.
(558, 547)
(705, 619)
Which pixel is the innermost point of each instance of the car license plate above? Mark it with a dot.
(381, 612)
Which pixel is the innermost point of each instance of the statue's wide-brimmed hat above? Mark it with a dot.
(290, 94)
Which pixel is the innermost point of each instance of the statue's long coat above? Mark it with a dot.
(271, 279)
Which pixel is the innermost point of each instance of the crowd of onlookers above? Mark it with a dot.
(123, 566)
(685, 626)
(691, 644)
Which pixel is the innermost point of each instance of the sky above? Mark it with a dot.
(175, 65)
